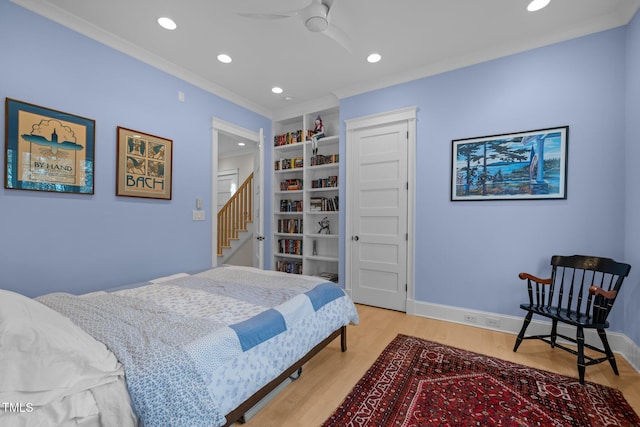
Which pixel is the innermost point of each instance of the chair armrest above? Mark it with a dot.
(596, 290)
(525, 276)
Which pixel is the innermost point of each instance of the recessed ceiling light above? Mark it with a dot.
(374, 57)
(537, 5)
(167, 23)
(241, 144)
(224, 58)
(276, 89)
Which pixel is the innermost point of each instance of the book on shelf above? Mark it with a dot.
(288, 138)
(324, 160)
(294, 267)
(328, 182)
(291, 184)
(287, 205)
(290, 225)
(290, 246)
(315, 204)
(284, 164)
(323, 204)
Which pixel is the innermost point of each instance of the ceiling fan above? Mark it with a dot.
(316, 18)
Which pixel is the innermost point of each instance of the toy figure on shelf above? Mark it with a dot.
(324, 226)
(318, 132)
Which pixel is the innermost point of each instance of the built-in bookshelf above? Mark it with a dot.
(306, 199)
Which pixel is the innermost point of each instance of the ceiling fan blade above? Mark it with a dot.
(327, 3)
(267, 16)
(339, 36)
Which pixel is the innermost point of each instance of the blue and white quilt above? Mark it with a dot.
(196, 347)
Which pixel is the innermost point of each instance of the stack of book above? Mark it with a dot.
(288, 225)
(284, 164)
(290, 246)
(331, 277)
(291, 185)
(294, 267)
(288, 138)
(324, 160)
(290, 205)
(330, 181)
(323, 204)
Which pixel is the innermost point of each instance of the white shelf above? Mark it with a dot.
(323, 212)
(325, 246)
(321, 258)
(325, 166)
(323, 189)
(323, 236)
(292, 256)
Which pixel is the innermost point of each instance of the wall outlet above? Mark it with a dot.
(198, 215)
(470, 318)
(492, 322)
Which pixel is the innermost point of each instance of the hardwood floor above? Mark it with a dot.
(331, 374)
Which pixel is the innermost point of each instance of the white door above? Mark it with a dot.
(258, 205)
(378, 234)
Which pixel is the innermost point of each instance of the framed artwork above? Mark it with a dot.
(514, 166)
(48, 150)
(143, 167)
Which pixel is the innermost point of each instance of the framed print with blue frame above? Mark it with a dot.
(515, 166)
(48, 150)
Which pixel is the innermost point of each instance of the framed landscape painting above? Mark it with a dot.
(143, 165)
(514, 166)
(48, 150)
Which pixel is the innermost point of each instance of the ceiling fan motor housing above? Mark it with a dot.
(315, 15)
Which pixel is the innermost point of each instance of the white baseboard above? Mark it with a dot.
(620, 343)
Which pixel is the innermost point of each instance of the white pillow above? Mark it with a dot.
(44, 356)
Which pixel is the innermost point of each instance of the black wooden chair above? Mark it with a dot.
(580, 292)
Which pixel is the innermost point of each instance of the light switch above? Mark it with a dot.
(198, 215)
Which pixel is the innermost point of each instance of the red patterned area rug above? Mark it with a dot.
(415, 382)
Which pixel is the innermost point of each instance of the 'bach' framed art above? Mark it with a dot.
(143, 165)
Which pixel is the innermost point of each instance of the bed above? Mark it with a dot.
(195, 349)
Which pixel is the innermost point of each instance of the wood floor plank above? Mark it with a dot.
(329, 377)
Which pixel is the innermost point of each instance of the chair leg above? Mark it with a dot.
(607, 350)
(527, 320)
(580, 342)
(554, 332)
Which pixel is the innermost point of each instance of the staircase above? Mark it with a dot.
(235, 221)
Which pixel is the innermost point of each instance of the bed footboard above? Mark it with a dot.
(237, 414)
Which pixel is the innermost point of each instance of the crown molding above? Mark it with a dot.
(87, 29)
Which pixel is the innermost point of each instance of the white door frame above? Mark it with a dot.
(217, 126)
(404, 114)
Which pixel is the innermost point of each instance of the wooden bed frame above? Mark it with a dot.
(238, 413)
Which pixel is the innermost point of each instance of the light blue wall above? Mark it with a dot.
(79, 243)
(468, 254)
(632, 190)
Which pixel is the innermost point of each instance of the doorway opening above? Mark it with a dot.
(236, 200)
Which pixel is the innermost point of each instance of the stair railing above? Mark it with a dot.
(235, 214)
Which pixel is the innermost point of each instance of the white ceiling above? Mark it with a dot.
(416, 38)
